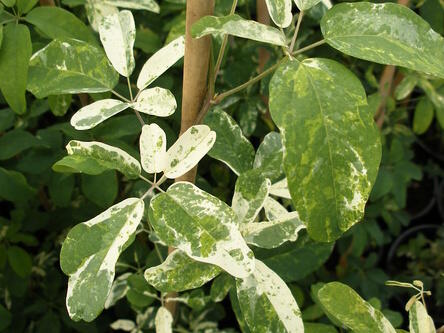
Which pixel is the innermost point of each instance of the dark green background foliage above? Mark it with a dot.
(401, 238)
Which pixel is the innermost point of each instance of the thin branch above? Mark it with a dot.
(120, 96)
(296, 32)
(309, 47)
(129, 89)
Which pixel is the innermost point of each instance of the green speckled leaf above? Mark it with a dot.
(163, 321)
(250, 193)
(306, 4)
(106, 156)
(231, 146)
(272, 234)
(267, 303)
(385, 33)
(89, 255)
(332, 147)
(118, 33)
(91, 115)
(237, 26)
(269, 157)
(280, 12)
(157, 102)
(420, 321)
(149, 5)
(179, 273)
(69, 67)
(202, 226)
(345, 305)
(153, 148)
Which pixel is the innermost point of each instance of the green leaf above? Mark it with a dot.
(61, 187)
(405, 87)
(89, 255)
(20, 261)
(304, 5)
(160, 62)
(70, 67)
(56, 22)
(157, 102)
(16, 141)
(269, 157)
(387, 33)
(59, 104)
(423, 116)
(179, 273)
(272, 234)
(140, 294)
(101, 189)
(231, 146)
(319, 328)
(237, 26)
(5, 318)
(420, 321)
(91, 115)
(8, 3)
(14, 187)
(188, 150)
(149, 5)
(118, 33)
(345, 305)
(163, 321)
(202, 226)
(15, 52)
(267, 303)
(250, 193)
(105, 157)
(220, 287)
(25, 6)
(1, 34)
(280, 12)
(237, 311)
(332, 146)
(153, 149)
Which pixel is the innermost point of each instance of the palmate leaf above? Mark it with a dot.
(385, 33)
(89, 255)
(202, 226)
(237, 26)
(420, 321)
(267, 304)
(70, 66)
(346, 306)
(332, 147)
(280, 12)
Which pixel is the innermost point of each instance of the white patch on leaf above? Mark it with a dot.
(280, 189)
(163, 321)
(91, 115)
(153, 149)
(156, 102)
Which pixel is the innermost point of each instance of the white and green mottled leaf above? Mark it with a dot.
(304, 5)
(157, 101)
(267, 303)
(202, 226)
(118, 290)
(280, 12)
(179, 273)
(237, 26)
(96, 11)
(231, 146)
(420, 321)
(188, 150)
(269, 157)
(106, 156)
(160, 62)
(149, 5)
(91, 115)
(118, 34)
(163, 321)
(270, 235)
(221, 286)
(332, 146)
(123, 324)
(280, 189)
(250, 192)
(386, 33)
(345, 305)
(69, 67)
(153, 149)
(89, 255)
(273, 209)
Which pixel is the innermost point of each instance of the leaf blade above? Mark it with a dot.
(91, 115)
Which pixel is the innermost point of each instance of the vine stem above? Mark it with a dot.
(296, 31)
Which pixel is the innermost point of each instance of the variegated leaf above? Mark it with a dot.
(156, 102)
(96, 11)
(202, 226)
(70, 66)
(269, 157)
(267, 303)
(118, 34)
(163, 321)
(280, 189)
(270, 235)
(150, 5)
(106, 156)
(332, 146)
(160, 62)
(179, 273)
(153, 149)
(188, 150)
(280, 12)
(221, 286)
(420, 321)
(345, 305)
(304, 5)
(250, 193)
(89, 255)
(273, 209)
(91, 115)
(237, 26)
